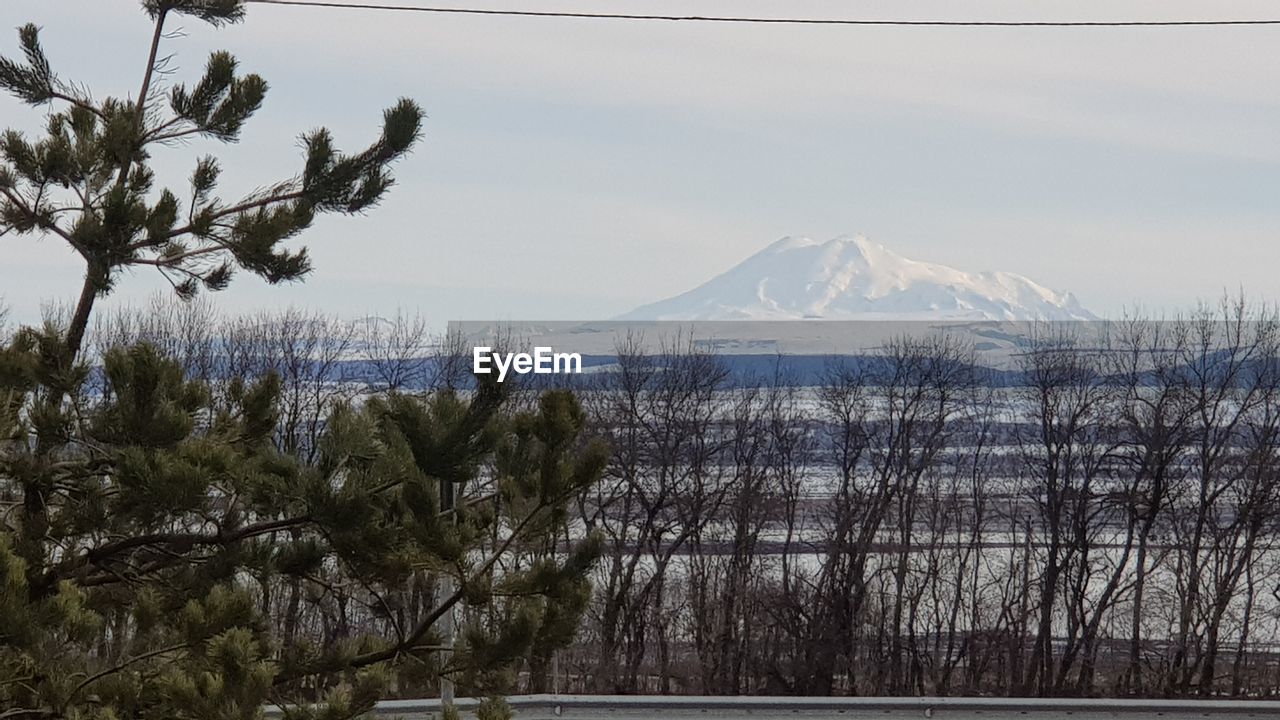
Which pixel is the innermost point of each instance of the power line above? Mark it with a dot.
(769, 20)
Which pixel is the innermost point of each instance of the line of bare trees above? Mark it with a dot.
(911, 523)
(916, 525)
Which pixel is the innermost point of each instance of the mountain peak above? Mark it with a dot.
(861, 242)
(853, 277)
(788, 243)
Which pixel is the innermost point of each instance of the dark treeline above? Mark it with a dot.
(1106, 528)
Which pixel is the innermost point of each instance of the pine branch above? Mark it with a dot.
(219, 215)
(412, 640)
(73, 569)
(40, 222)
(119, 668)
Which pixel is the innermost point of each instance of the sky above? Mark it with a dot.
(575, 169)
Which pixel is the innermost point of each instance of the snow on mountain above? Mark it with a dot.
(853, 278)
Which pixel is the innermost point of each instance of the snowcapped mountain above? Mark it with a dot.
(853, 278)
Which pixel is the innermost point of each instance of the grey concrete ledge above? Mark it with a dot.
(537, 707)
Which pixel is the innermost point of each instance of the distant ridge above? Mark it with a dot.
(853, 278)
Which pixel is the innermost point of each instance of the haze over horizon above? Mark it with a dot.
(580, 169)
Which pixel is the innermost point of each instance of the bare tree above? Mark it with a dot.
(1223, 505)
(663, 485)
(397, 351)
(1064, 452)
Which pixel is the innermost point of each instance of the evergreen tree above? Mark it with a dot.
(140, 549)
(155, 547)
(87, 181)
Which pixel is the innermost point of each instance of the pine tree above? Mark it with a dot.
(87, 181)
(155, 546)
(138, 543)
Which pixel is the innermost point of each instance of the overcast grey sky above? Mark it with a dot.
(578, 168)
